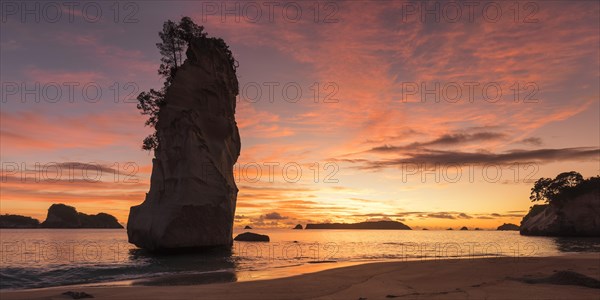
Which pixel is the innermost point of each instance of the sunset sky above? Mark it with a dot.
(369, 131)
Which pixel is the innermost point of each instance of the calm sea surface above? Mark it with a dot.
(36, 258)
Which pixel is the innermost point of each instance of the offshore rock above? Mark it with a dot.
(508, 226)
(251, 237)
(192, 197)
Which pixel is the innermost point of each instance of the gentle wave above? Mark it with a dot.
(287, 249)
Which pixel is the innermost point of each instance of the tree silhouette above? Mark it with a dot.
(565, 186)
(175, 39)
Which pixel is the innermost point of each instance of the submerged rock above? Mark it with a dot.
(579, 216)
(77, 295)
(247, 227)
(464, 228)
(564, 278)
(298, 227)
(192, 197)
(251, 237)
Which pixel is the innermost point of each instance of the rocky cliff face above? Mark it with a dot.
(192, 197)
(579, 216)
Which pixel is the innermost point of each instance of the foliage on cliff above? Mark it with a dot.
(565, 186)
(175, 39)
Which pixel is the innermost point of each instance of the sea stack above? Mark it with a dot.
(192, 197)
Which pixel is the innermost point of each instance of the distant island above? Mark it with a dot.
(508, 226)
(362, 225)
(572, 207)
(16, 221)
(61, 216)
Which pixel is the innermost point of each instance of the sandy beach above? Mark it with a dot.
(573, 276)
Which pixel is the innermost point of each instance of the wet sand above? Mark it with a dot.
(573, 276)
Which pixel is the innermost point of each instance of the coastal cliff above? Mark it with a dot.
(579, 216)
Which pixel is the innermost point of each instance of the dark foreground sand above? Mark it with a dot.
(566, 277)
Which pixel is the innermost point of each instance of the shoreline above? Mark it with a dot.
(207, 277)
(275, 272)
(553, 277)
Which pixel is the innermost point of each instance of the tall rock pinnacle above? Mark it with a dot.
(192, 197)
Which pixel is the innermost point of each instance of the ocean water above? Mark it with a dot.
(37, 258)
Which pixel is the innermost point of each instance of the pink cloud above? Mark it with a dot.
(29, 131)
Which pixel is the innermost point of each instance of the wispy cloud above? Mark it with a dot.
(438, 157)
